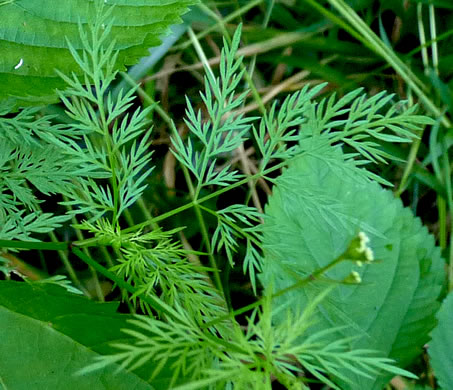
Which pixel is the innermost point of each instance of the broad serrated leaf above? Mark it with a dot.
(319, 205)
(441, 346)
(34, 36)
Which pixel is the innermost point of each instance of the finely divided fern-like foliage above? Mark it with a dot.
(221, 133)
(100, 165)
(30, 163)
(121, 154)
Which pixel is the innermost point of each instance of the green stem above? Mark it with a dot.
(449, 197)
(409, 165)
(80, 237)
(236, 227)
(147, 98)
(94, 275)
(67, 264)
(443, 229)
(189, 205)
(422, 38)
(54, 246)
(212, 261)
(432, 28)
(301, 283)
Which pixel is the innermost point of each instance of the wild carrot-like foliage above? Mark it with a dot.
(339, 268)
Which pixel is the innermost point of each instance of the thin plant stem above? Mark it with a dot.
(443, 228)
(299, 284)
(409, 166)
(233, 225)
(80, 237)
(212, 261)
(53, 246)
(160, 111)
(200, 51)
(422, 37)
(435, 149)
(450, 265)
(412, 156)
(449, 191)
(267, 17)
(432, 28)
(68, 266)
(94, 275)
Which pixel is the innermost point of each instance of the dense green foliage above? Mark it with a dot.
(333, 283)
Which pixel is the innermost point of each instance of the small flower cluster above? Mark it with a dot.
(364, 249)
(353, 278)
(359, 252)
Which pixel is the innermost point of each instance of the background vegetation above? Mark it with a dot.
(403, 47)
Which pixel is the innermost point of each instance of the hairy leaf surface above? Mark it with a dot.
(34, 37)
(319, 205)
(441, 345)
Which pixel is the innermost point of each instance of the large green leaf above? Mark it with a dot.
(34, 37)
(441, 346)
(63, 322)
(319, 205)
(36, 356)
